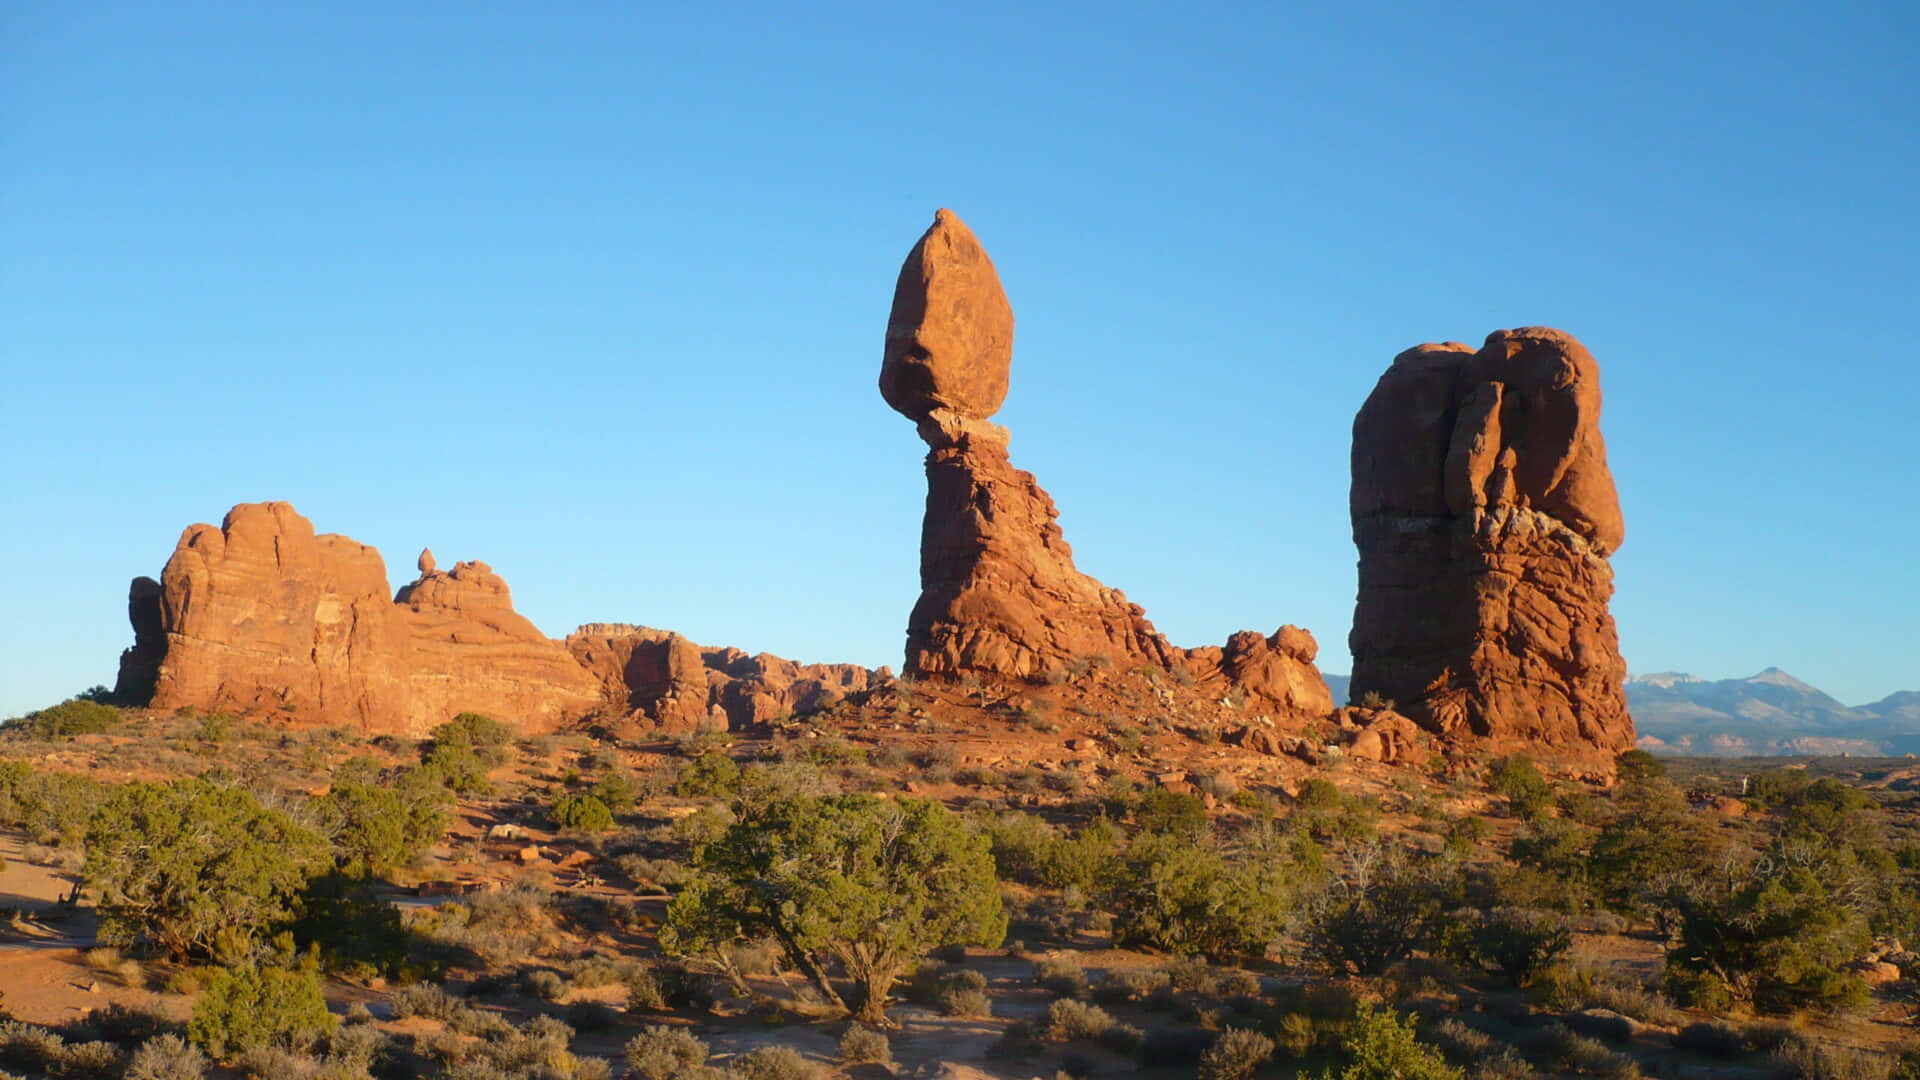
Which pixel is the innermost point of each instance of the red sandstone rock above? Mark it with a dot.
(681, 687)
(1485, 513)
(999, 593)
(262, 616)
(950, 334)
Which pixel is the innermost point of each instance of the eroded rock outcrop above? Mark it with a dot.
(1000, 595)
(678, 686)
(263, 616)
(1485, 515)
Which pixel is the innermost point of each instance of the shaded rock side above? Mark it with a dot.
(679, 686)
(1485, 514)
(999, 593)
(262, 616)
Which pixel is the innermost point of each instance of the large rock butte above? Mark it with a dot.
(999, 593)
(263, 617)
(1485, 515)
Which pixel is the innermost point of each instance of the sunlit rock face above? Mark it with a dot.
(1485, 515)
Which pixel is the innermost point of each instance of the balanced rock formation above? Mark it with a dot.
(1485, 514)
(263, 616)
(999, 594)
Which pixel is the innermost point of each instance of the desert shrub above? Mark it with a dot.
(1515, 779)
(862, 1045)
(870, 883)
(1776, 933)
(1068, 1020)
(1235, 1055)
(91, 1061)
(1638, 767)
(655, 874)
(1122, 986)
(1380, 1045)
(1060, 976)
(966, 1003)
(51, 807)
(1581, 986)
(592, 1016)
(253, 1006)
(1712, 1038)
(356, 930)
(1513, 943)
(1178, 896)
(545, 984)
(122, 1025)
(425, 1000)
(1173, 814)
(180, 863)
(773, 1063)
(1029, 851)
(1582, 1054)
(1322, 811)
(74, 716)
(662, 1053)
(167, 1057)
(377, 830)
(29, 1046)
(1810, 1059)
(585, 813)
(618, 790)
(1378, 919)
(710, 776)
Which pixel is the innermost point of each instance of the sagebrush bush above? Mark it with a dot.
(1235, 1055)
(425, 1000)
(660, 1053)
(1068, 1020)
(167, 1057)
(1121, 986)
(773, 1063)
(1060, 976)
(862, 1045)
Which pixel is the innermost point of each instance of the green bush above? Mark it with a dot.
(712, 775)
(1776, 933)
(1171, 894)
(585, 813)
(244, 1008)
(376, 829)
(74, 716)
(181, 863)
(1380, 1045)
(869, 883)
(1032, 852)
(1515, 778)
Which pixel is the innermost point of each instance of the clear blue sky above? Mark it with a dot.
(598, 297)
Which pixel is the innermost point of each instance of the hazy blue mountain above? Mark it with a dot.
(1766, 714)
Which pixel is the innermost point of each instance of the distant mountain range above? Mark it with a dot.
(1769, 714)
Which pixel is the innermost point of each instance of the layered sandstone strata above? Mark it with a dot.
(1485, 515)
